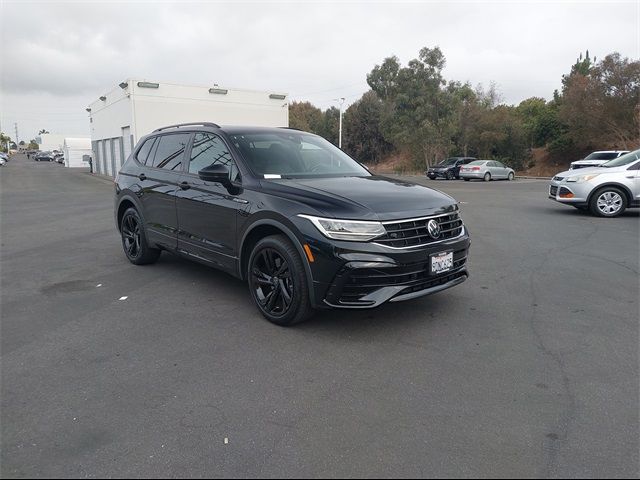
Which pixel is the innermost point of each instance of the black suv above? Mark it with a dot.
(302, 222)
(449, 168)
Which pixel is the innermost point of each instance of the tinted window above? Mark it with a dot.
(478, 162)
(498, 164)
(170, 151)
(143, 153)
(635, 166)
(602, 156)
(623, 160)
(210, 150)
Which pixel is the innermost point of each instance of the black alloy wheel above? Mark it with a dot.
(134, 241)
(449, 175)
(131, 236)
(277, 281)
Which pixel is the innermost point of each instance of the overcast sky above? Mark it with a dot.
(57, 57)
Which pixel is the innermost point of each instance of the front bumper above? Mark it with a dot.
(367, 274)
(432, 174)
(570, 193)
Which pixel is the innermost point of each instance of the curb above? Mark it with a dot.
(100, 177)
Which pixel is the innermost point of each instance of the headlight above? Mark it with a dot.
(352, 230)
(582, 178)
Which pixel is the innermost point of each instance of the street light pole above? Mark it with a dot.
(340, 129)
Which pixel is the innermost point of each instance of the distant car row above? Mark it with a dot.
(54, 156)
(470, 168)
(4, 158)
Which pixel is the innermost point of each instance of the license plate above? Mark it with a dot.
(441, 262)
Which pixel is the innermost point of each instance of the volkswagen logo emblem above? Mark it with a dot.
(434, 228)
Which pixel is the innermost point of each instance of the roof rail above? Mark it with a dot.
(178, 125)
(292, 128)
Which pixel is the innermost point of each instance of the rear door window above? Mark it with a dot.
(169, 153)
(143, 153)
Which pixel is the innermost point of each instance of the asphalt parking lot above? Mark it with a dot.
(529, 369)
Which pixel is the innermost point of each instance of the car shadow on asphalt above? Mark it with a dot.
(416, 311)
(574, 212)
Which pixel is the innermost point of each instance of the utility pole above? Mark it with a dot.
(16, 125)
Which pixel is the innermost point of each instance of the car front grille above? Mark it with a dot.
(414, 233)
(350, 285)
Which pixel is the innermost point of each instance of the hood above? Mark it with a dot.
(585, 171)
(364, 198)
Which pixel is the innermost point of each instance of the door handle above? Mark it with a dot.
(632, 176)
(185, 185)
(142, 177)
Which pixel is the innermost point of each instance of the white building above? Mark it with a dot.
(135, 108)
(74, 149)
(47, 142)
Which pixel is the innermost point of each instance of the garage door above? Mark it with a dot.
(126, 142)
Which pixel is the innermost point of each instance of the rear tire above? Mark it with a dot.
(608, 202)
(134, 239)
(278, 282)
(487, 177)
(466, 179)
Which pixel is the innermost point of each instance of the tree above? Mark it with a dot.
(4, 142)
(540, 121)
(600, 108)
(417, 109)
(43, 131)
(33, 145)
(362, 138)
(304, 116)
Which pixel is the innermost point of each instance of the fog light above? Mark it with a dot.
(565, 193)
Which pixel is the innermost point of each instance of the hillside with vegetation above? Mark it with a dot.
(413, 117)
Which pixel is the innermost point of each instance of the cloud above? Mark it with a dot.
(71, 53)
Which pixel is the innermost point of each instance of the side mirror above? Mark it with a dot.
(215, 173)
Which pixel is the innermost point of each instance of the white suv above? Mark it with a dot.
(596, 159)
(606, 190)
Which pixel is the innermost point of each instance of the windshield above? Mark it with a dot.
(601, 156)
(448, 161)
(293, 154)
(623, 160)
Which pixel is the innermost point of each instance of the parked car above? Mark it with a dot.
(59, 157)
(4, 156)
(486, 170)
(596, 159)
(2, 161)
(302, 222)
(44, 157)
(606, 191)
(449, 168)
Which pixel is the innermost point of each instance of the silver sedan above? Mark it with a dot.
(486, 170)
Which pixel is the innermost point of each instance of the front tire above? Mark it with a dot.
(277, 281)
(450, 175)
(608, 202)
(134, 240)
(511, 176)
